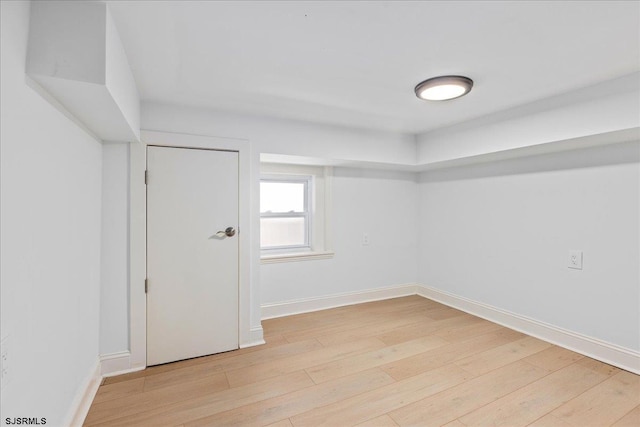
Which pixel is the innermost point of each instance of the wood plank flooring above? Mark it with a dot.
(400, 362)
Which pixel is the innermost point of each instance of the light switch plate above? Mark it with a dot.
(575, 260)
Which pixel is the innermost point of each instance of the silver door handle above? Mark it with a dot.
(228, 232)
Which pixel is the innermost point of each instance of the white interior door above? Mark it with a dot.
(192, 271)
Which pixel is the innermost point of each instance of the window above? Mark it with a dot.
(285, 213)
(294, 205)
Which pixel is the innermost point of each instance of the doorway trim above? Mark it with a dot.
(250, 328)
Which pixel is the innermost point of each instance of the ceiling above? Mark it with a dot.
(356, 63)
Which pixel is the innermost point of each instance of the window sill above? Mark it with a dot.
(294, 257)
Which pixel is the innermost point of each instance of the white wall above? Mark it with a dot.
(499, 233)
(278, 136)
(114, 289)
(76, 54)
(382, 204)
(50, 253)
(375, 200)
(608, 107)
(119, 79)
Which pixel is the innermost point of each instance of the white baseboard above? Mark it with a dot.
(597, 349)
(306, 305)
(120, 363)
(256, 337)
(612, 354)
(117, 364)
(84, 397)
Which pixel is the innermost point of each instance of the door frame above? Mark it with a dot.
(249, 325)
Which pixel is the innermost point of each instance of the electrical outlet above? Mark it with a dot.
(4, 365)
(365, 239)
(575, 260)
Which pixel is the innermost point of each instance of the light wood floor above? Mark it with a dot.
(405, 361)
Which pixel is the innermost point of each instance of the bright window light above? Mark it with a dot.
(285, 213)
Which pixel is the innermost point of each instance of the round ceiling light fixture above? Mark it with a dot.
(443, 88)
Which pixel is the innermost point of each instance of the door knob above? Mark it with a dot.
(228, 232)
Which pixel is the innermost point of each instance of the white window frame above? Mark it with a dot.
(320, 242)
(307, 214)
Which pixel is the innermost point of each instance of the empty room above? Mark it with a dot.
(320, 213)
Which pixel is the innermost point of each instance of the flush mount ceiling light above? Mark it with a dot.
(443, 88)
